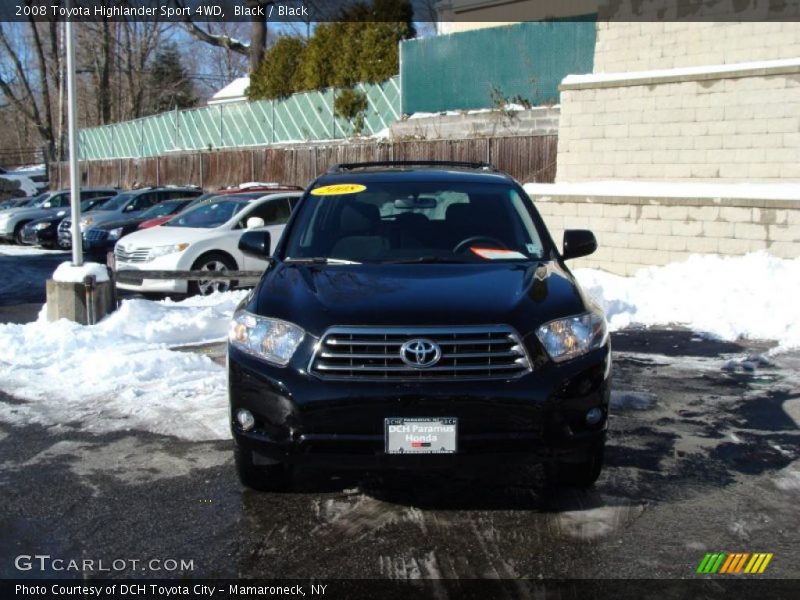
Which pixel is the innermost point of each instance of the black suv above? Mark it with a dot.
(417, 315)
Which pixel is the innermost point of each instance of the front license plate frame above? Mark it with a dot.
(420, 435)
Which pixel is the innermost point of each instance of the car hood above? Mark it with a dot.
(161, 236)
(109, 225)
(30, 213)
(317, 297)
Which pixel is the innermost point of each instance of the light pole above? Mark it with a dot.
(72, 127)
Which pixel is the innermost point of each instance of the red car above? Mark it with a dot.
(266, 188)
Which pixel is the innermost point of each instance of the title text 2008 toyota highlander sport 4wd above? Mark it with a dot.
(417, 315)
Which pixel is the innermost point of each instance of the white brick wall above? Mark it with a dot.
(637, 232)
(635, 46)
(731, 129)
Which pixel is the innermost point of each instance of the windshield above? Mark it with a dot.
(37, 201)
(165, 208)
(208, 215)
(116, 203)
(417, 222)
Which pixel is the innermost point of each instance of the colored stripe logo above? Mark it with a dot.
(734, 563)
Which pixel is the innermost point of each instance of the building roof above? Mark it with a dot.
(233, 92)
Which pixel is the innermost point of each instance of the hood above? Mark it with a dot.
(102, 216)
(109, 225)
(30, 213)
(154, 221)
(162, 236)
(318, 297)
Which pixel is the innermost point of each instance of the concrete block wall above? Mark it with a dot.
(640, 46)
(636, 232)
(495, 123)
(742, 124)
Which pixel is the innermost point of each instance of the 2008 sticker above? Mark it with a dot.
(338, 189)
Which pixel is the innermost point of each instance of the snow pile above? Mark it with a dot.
(10, 250)
(752, 297)
(121, 373)
(67, 273)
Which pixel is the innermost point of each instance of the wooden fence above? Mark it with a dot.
(526, 158)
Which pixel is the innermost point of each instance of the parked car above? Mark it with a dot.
(44, 232)
(128, 205)
(264, 188)
(417, 317)
(13, 220)
(100, 239)
(17, 202)
(203, 238)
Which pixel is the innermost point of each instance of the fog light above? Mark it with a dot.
(245, 418)
(594, 416)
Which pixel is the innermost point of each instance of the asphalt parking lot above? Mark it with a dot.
(703, 456)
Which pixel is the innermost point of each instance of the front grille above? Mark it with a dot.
(95, 235)
(131, 255)
(64, 226)
(373, 354)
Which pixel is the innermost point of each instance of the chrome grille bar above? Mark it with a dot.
(374, 354)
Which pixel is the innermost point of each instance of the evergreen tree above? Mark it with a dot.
(361, 47)
(276, 76)
(168, 83)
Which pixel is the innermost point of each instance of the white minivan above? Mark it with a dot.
(205, 237)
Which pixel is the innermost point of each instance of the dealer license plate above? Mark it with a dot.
(421, 436)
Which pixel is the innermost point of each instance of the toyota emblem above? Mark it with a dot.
(420, 353)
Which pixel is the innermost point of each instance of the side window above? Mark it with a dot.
(61, 201)
(274, 212)
(293, 202)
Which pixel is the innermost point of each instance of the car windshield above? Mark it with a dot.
(165, 208)
(416, 222)
(116, 203)
(208, 215)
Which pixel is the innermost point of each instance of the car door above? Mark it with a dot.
(275, 212)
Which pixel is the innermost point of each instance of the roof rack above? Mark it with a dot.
(410, 163)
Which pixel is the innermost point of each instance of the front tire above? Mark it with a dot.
(213, 261)
(262, 478)
(18, 233)
(583, 473)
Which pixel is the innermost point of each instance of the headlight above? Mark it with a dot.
(41, 226)
(567, 338)
(157, 251)
(87, 221)
(271, 339)
(114, 234)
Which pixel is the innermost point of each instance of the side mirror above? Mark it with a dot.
(255, 223)
(578, 242)
(61, 213)
(47, 205)
(256, 244)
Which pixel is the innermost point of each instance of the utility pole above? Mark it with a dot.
(72, 126)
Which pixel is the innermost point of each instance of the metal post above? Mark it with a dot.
(72, 126)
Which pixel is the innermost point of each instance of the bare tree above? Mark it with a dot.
(28, 90)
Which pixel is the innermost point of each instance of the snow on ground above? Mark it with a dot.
(26, 184)
(11, 250)
(66, 273)
(751, 297)
(121, 373)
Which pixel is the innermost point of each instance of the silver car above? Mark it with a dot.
(48, 204)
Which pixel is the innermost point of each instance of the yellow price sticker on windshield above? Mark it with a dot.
(338, 189)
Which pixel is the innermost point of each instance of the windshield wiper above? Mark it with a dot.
(320, 260)
(426, 260)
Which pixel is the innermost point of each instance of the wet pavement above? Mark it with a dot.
(703, 456)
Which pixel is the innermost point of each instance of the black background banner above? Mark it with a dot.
(703, 587)
(450, 10)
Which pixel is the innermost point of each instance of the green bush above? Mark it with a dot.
(352, 105)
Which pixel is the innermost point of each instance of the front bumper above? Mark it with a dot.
(157, 286)
(301, 419)
(39, 237)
